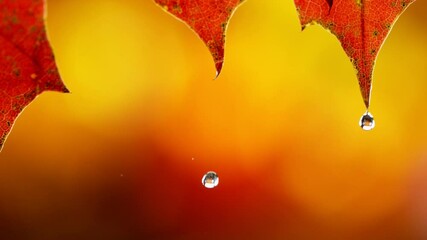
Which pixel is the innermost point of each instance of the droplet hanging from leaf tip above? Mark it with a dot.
(367, 121)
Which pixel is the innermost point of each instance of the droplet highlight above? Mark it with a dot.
(210, 179)
(367, 121)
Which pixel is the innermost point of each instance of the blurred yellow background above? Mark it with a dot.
(122, 156)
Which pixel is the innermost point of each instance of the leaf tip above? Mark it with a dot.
(366, 92)
(65, 89)
(366, 102)
(2, 140)
(218, 66)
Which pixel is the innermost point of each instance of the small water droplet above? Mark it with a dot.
(210, 180)
(367, 121)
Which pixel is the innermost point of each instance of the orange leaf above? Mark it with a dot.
(360, 25)
(208, 18)
(27, 64)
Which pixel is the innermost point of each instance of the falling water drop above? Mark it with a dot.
(367, 121)
(210, 180)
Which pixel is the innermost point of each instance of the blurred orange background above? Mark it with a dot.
(123, 155)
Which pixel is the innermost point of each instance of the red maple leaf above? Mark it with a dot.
(360, 25)
(27, 65)
(208, 18)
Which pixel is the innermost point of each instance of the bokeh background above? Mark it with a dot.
(122, 156)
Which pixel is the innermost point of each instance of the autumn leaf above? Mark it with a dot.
(208, 18)
(360, 25)
(27, 65)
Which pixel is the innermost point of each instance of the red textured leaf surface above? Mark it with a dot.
(360, 25)
(208, 18)
(27, 66)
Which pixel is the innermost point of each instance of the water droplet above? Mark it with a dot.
(210, 180)
(367, 121)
